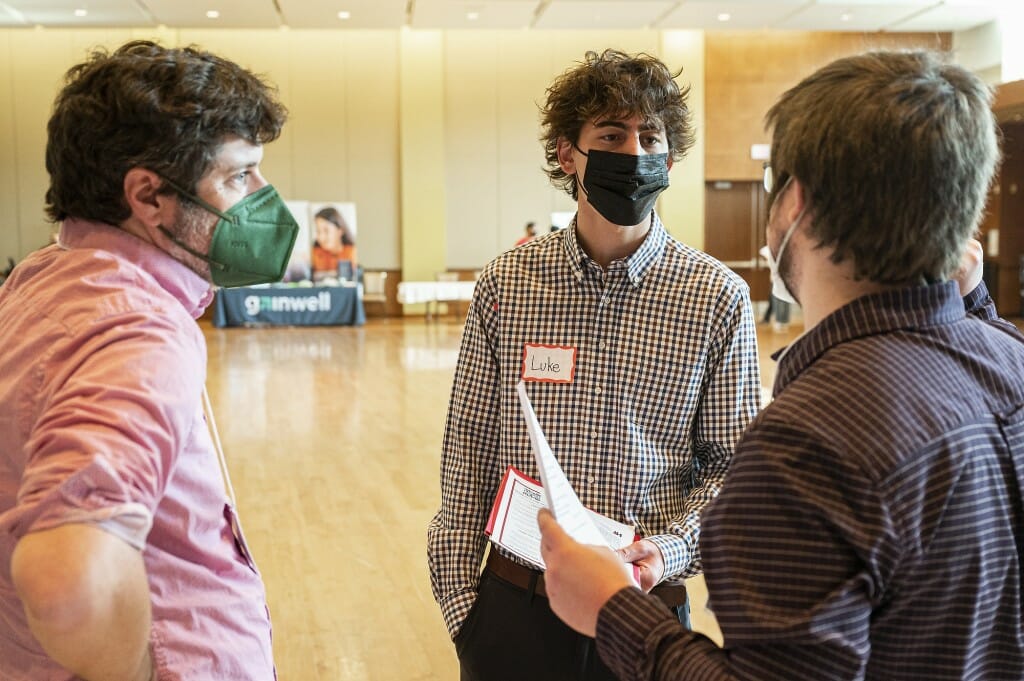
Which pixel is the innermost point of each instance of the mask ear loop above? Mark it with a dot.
(215, 436)
(579, 180)
(233, 219)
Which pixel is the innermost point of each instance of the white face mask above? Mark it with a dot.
(779, 288)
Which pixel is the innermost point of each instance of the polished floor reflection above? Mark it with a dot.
(333, 435)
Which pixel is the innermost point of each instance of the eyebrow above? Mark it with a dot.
(646, 126)
(235, 167)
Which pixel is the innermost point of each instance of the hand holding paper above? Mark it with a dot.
(562, 499)
(579, 579)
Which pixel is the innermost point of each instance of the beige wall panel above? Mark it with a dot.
(422, 164)
(372, 105)
(471, 148)
(85, 41)
(747, 71)
(682, 205)
(40, 61)
(524, 192)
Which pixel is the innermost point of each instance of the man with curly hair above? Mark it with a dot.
(871, 526)
(122, 556)
(638, 353)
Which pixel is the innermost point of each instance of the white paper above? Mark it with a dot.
(562, 500)
(515, 521)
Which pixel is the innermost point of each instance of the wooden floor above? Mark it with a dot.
(333, 437)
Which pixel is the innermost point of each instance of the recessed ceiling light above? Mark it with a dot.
(212, 14)
(472, 16)
(845, 17)
(81, 12)
(343, 15)
(724, 16)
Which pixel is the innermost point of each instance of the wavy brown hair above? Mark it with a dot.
(616, 84)
(164, 109)
(895, 152)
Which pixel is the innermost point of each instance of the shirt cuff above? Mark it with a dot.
(455, 610)
(624, 626)
(674, 553)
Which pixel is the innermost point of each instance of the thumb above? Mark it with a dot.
(551, 532)
(630, 553)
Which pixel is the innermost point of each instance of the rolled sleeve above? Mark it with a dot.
(92, 495)
(103, 449)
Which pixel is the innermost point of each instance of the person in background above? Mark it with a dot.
(334, 243)
(529, 233)
(639, 357)
(871, 526)
(122, 558)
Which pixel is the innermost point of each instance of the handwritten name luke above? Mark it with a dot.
(544, 365)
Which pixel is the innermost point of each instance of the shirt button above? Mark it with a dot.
(602, 345)
(597, 390)
(604, 301)
(591, 479)
(593, 434)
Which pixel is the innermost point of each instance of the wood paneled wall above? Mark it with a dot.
(745, 72)
(1002, 230)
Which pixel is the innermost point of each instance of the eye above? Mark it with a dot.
(652, 140)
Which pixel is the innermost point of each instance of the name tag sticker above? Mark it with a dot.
(548, 363)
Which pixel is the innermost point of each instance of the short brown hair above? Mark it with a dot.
(895, 151)
(164, 109)
(618, 84)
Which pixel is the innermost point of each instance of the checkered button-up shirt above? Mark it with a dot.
(665, 379)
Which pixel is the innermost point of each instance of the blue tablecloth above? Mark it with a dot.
(288, 306)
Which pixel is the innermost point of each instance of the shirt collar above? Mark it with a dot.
(637, 264)
(190, 289)
(873, 314)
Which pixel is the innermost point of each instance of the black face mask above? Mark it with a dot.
(624, 187)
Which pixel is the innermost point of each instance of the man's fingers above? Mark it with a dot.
(632, 553)
(551, 532)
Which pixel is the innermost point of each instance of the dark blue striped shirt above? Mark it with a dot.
(871, 524)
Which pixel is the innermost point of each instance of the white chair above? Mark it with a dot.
(375, 287)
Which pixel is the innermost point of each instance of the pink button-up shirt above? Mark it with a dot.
(102, 369)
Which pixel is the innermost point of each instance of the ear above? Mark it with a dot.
(794, 201)
(565, 156)
(670, 161)
(149, 207)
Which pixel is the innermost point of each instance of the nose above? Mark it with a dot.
(632, 145)
(257, 181)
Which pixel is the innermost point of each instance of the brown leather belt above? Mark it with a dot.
(672, 595)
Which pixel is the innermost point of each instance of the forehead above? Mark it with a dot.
(236, 152)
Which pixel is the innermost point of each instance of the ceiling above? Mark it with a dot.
(804, 15)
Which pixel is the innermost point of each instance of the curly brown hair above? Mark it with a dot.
(895, 152)
(144, 105)
(617, 84)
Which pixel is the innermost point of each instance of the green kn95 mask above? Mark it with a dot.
(252, 241)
